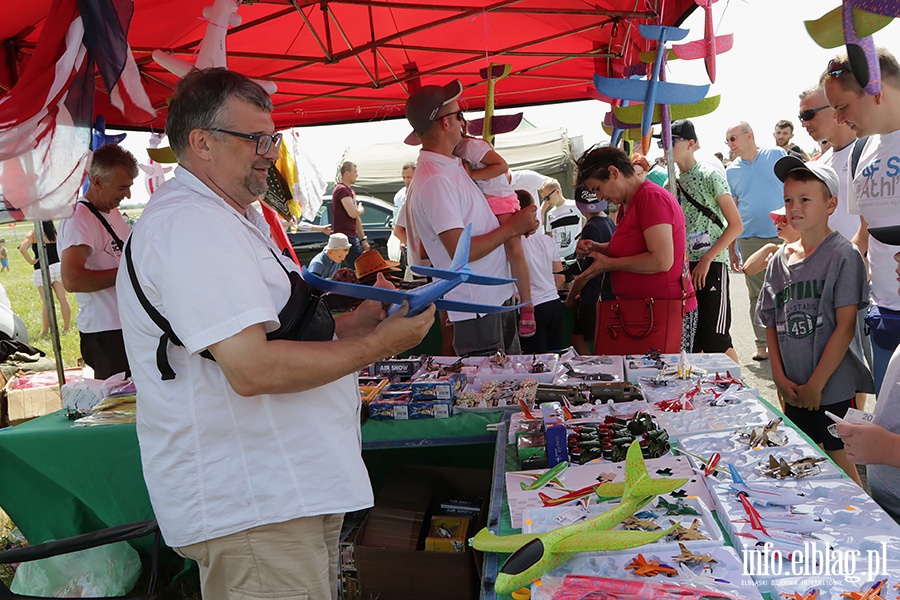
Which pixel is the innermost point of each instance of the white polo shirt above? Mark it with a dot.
(97, 311)
(442, 197)
(216, 463)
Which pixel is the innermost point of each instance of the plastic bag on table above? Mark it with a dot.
(585, 587)
(110, 570)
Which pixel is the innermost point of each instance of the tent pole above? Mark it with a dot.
(48, 300)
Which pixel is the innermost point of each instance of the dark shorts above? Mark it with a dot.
(814, 423)
(486, 334)
(586, 320)
(104, 351)
(714, 311)
(548, 336)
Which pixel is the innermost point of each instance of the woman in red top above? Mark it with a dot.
(646, 255)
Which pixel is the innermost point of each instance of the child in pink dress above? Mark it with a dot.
(489, 169)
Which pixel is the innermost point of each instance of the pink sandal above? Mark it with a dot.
(527, 324)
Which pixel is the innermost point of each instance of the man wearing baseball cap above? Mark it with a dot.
(442, 200)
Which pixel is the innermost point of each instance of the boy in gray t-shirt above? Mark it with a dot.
(813, 291)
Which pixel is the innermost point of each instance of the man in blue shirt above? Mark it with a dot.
(758, 192)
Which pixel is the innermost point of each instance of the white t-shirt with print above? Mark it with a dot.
(564, 223)
(875, 194)
(841, 220)
(97, 311)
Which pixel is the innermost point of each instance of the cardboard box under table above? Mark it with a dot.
(390, 551)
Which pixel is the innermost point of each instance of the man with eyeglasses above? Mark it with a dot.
(346, 212)
(442, 200)
(874, 188)
(90, 251)
(757, 191)
(249, 422)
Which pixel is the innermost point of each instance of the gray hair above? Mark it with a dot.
(816, 89)
(408, 165)
(200, 98)
(109, 157)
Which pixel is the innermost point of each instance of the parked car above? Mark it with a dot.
(378, 221)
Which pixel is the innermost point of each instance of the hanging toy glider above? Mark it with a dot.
(709, 46)
(654, 90)
(853, 24)
(431, 293)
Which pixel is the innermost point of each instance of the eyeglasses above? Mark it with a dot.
(547, 197)
(810, 113)
(460, 116)
(659, 144)
(836, 68)
(264, 141)
(733, 138)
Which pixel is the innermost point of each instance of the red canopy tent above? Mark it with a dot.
(338, 61)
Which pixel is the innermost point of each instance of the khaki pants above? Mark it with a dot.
(748, 246)
(294, 560)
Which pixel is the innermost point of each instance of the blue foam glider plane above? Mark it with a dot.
(653, 91)
(430, 293)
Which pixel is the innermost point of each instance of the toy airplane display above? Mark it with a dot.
(551, 475)
(535, 554)
(653, 90)
(709, 46)
(631, 115)
(430, 293)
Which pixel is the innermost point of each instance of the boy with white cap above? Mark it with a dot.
(813, 290)
(325, 263)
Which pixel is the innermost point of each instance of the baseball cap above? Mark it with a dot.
(889, 235)
(778, 212)
(826, 175)
(682, 129)
(587, 201)
(425, 104)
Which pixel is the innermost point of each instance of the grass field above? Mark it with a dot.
(19, 285)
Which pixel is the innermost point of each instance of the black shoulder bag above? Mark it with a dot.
(704, 210)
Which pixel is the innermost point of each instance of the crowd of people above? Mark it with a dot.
(261, 375)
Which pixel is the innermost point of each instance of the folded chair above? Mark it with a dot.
(110, 535)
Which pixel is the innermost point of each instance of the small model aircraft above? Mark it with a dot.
(789, 521)
(430, 293)
(781, 469)
(782, 541)
(648, 568)
(703, 579)
(768, 496)
(687, 534)
(873, 593)
(633, 523)
(688, 557)
(761, 437)
(653, 90)
(679, 507)
(709, 46)
(535, 554)
(551, 475)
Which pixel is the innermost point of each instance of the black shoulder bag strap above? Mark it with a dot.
(704, 210)
(168, 335)
(858, 147)
(116, 239)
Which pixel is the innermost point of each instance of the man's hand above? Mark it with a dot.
(524, 221)
(399, 332)
(868, 444)
(366, 246)
(698, 275)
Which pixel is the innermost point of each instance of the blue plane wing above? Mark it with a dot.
(469, 307)
(636, 89)
(355, 290)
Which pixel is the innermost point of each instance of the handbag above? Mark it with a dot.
(636, 326)
(884, 327)
(639, 325)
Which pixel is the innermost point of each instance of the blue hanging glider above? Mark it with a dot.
(431, 293)
(653, 91)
